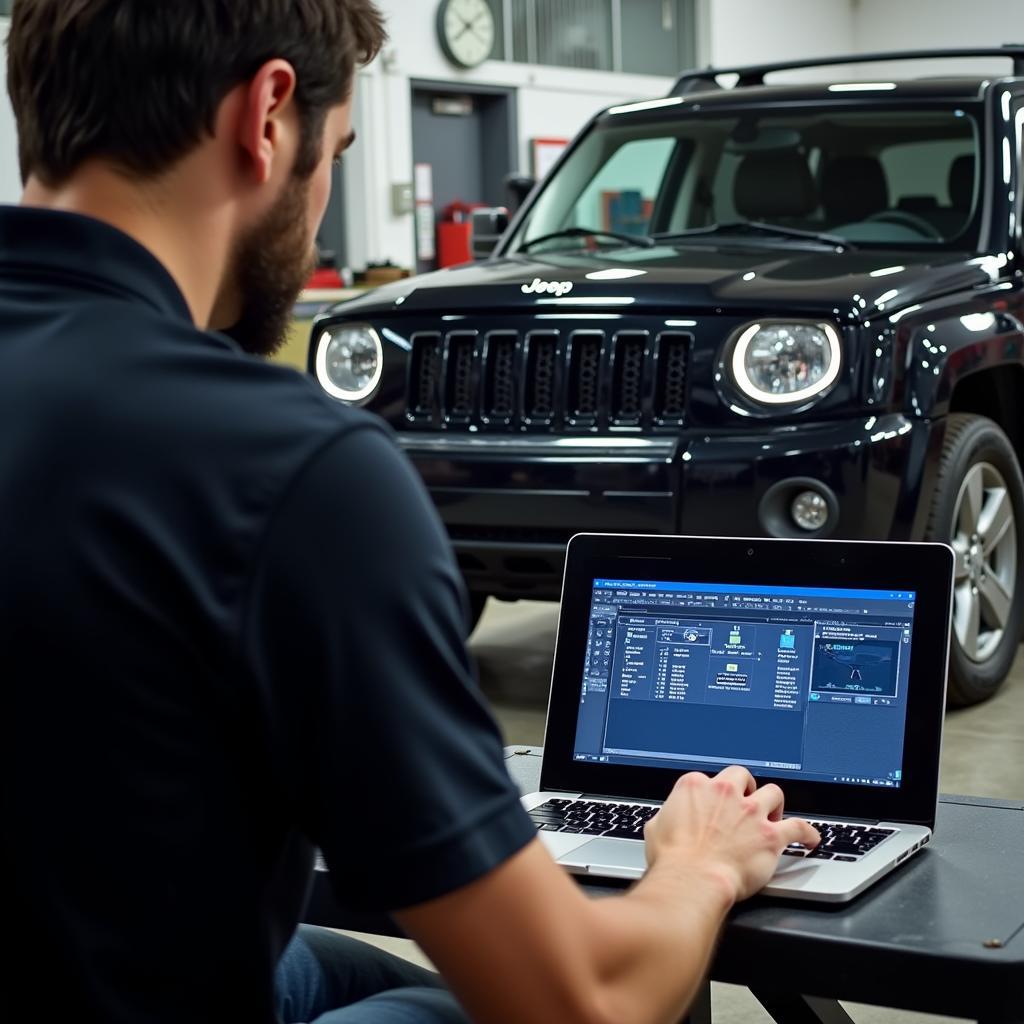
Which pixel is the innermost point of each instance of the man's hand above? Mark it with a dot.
(726, 829)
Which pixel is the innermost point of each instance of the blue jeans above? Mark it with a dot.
(328, 978)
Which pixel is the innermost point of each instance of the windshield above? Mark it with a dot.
(885, 178)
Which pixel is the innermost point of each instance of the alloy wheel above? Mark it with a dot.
(985, 542)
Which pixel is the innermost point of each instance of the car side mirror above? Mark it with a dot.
(488, 225)
(518, 186)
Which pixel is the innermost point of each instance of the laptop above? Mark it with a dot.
(818, 665)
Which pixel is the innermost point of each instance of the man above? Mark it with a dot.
(233, 630)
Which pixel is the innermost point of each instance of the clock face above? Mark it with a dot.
(466, 31)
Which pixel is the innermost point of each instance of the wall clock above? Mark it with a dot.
(465, 29)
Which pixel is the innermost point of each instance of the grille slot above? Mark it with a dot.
(541, 378)
(628, 379)
(459, 378)
(424, 375)
(547, 380)
(584, 377)
(500, 377)
(670, 378)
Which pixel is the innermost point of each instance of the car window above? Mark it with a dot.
(621, 195)
(918, 172)
(874, 176)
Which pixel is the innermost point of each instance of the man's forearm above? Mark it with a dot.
(637, 957)
(653, 946)
(524, 944)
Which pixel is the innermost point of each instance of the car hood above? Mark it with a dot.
(852, 285)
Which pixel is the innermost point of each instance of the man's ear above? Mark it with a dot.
(265, 129)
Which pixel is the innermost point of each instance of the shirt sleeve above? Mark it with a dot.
(355, 632)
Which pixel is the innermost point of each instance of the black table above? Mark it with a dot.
(943, 934)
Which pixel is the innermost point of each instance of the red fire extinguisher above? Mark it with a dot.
(455, 234)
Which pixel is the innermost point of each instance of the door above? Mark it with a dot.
(467, 138)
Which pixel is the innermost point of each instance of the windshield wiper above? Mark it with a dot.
(645, 241)
(740, 227)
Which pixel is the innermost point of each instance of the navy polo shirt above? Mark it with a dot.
(232, 630)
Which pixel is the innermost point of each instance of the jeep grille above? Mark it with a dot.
(576, 380)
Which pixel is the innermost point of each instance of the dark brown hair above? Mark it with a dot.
(139, 82)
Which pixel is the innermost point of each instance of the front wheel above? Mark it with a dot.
(978, 507)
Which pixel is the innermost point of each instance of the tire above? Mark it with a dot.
(978, 507)
(477, 602)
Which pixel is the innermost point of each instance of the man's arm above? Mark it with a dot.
(524, 944)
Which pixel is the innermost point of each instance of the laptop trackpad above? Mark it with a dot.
(618, 856)
(560, 844)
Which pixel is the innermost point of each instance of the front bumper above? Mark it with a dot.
(510, 503)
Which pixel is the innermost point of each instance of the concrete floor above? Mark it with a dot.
(983, 753)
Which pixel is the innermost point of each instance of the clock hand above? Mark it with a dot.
(467, 26)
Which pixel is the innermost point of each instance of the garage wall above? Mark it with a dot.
(756, 31)
(885, 25)
(752, 31)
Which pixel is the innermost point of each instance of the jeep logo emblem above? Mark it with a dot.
(539, 287)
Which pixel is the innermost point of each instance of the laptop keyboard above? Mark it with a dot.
(593, 818)
(839, 841)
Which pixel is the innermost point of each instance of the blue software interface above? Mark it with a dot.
(799, 682)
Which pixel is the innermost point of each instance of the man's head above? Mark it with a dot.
(139, 87)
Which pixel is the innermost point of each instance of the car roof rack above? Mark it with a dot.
(700, 79)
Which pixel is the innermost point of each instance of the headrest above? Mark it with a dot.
(961, 182)
(852, 188)
(774, 184)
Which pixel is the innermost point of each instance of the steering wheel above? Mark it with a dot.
(906, 219)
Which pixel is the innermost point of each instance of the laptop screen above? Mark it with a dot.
(792, 682)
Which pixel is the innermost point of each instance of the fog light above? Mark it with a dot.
(809, 511)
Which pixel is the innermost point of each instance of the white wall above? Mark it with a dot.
(10, 178)
(755, 31)
(760, 31)
(933, 24)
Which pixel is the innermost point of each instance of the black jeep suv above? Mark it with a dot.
(787, 311)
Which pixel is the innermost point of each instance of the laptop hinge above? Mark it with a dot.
(623, 799)
(814, 816)
(789, 814)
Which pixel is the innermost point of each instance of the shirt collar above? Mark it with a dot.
(91, 254)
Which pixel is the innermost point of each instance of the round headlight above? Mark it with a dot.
(777, 363)
(349, 361)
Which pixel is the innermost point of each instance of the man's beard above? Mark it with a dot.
(271, 264)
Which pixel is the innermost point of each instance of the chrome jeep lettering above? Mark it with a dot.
(539, 287)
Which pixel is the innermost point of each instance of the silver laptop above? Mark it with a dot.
(819, 665)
